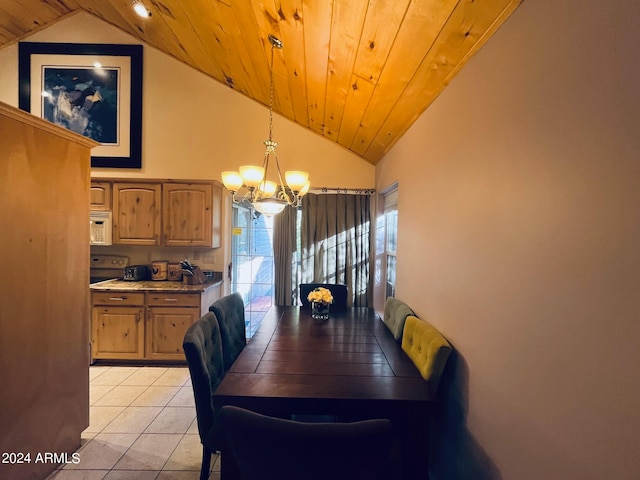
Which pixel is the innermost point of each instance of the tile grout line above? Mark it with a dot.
(152, 420)
(181, 436)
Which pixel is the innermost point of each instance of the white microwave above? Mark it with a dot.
(100, 226)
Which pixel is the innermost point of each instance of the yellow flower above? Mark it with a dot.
(320, 294)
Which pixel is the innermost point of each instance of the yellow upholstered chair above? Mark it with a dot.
(427, 348)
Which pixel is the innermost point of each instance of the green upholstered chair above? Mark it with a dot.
(395, 314)
(229, 311)
(203, 350)
(427, 348)
(259, 447)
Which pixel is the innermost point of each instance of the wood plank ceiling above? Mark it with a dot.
(358, 72)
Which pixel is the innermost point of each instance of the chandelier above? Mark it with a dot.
(267, 196)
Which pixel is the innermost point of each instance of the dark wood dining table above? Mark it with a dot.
(349, 367)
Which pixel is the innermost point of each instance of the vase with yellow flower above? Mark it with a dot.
(320, 299)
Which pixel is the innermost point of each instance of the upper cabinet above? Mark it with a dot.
(168, 213)
(136, 213)
(100, 196)
(191, 214)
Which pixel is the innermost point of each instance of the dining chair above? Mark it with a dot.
(229, 311)
(259, 447)
(427, 348)
(395, 314)
(203, 350)
(338, 290)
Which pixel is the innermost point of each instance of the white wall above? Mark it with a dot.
(195, 127)
(519, 239)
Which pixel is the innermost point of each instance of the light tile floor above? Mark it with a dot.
(142, 427)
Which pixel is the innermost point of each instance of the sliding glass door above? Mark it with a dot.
(252, 264)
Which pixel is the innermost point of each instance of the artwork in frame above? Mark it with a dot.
(92, 89)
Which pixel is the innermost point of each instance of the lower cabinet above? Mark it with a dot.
(166, 325)
(117, 330)
(144, 326)
(165, 330)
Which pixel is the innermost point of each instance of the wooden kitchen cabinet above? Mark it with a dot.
(165, 331)
(145, 325)
(118, 326)
(168, 317)
(188, 213)
(168, 213)
(44, 328)
(100, 195)
(136, 213)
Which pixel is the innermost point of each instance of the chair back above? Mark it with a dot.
(395, 314)
(267, 448)
(229, 311)
(427, 348)
(203, 350)
(338, 290)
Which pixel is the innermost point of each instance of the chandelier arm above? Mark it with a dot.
(284, 194)
(257, 195)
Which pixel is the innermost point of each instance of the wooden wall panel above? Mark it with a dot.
(316, 46)
(403, 61)
(408, 50)
(44, 312)
(469, 27)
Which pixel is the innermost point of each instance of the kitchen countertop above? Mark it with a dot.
(153, 286)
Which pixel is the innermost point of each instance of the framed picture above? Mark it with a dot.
(92, 89)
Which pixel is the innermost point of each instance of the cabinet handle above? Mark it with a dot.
(170, 299)
(120, 299)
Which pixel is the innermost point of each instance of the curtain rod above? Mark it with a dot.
(357, 191)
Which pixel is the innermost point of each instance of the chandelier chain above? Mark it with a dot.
(266, 196)
(271, 96)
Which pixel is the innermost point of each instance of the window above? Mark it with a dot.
(252, 264)
(390, 240)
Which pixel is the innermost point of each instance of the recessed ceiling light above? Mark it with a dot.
(141, 10)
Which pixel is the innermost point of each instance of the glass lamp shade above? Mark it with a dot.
(296, 179)
(268, 188)
(305, 189)
(232, 181)
(251, 175)
(269, 206)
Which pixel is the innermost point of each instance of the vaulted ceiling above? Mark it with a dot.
(358, 72)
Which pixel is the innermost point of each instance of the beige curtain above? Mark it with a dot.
(335, 243)
(335, 238)
(285, 260)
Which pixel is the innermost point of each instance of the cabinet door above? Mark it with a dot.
(166, 327)
(117, 333)
(100, 196)
(187, 214)
(136, 213)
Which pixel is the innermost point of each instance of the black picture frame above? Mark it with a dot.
(114, 114)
